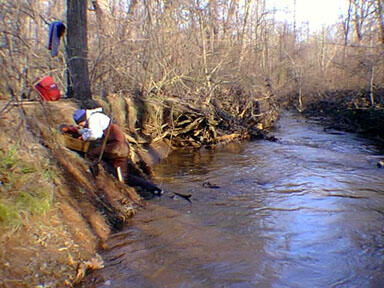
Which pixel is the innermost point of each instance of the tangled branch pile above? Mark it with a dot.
(232, 114)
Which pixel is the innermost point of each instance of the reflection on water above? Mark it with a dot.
(306, 211)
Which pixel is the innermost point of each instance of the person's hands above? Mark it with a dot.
(73, 130)
(69, 129)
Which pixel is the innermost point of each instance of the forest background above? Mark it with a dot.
(194, 49)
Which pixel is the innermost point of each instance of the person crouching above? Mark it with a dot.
(95, 125)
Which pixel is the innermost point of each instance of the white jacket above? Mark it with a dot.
(97, 122)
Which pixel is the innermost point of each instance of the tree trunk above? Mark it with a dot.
(372, 87)
(130, 16)
(243, 33)
(231, 12)
(100, 24)
(213, 8)
(77, 50)
(380, 19)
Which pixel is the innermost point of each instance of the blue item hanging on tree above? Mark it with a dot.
(56, 31)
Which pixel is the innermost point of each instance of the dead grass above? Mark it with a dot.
(53, 214)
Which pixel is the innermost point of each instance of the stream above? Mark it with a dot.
(305, 211)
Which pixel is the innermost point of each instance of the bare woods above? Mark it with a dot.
(195, 49)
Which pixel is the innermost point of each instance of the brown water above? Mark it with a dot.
(307, 211)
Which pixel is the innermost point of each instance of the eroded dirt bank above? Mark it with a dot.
(355, 111)
(57, 245)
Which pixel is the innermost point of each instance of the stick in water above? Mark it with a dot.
(119, 176)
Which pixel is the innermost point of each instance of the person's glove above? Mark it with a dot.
(82, 131)
(85, 133)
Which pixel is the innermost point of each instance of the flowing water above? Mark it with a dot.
(305, 211)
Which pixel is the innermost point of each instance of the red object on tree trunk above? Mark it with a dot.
(47, 89)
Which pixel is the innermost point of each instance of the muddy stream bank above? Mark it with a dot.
(305, 211)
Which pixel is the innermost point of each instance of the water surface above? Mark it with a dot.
(306, 211)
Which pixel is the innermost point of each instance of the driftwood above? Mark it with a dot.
(197, 125)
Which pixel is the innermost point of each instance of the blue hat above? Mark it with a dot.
(79, 116)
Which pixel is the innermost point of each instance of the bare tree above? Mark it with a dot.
(130, 13)
(100, 22)
(346, 24)
(233, 4)
(379, 9)
(248, 4)
(213, 9)
(362, 10)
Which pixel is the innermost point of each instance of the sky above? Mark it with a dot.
(316, 12)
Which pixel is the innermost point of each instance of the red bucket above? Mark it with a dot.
(47, 89)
